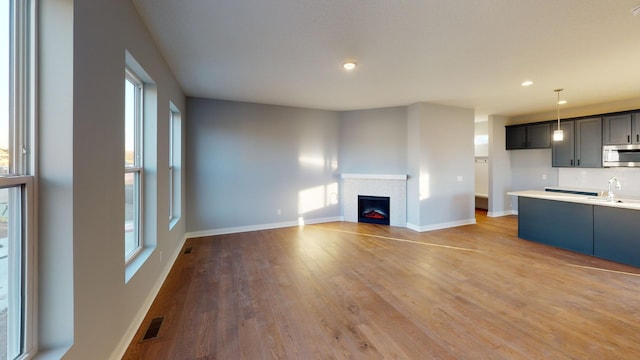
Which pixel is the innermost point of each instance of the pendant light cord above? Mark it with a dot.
(558, 105)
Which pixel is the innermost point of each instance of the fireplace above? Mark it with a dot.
(373, 209)
(392, 185)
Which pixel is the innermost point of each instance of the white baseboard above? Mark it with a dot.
(323, 220)
(239, 229)
(441, 225)
(502, 213)
(135, 323)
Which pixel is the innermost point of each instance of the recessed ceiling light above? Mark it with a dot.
(527, 83)
(349, 65)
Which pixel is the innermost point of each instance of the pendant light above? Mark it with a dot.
(558, 135)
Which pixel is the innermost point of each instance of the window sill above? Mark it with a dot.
(173, 222)
(52, 354)
(136, 263)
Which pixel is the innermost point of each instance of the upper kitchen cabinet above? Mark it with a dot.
(563, 152)
(582, 144)
(588, 138)
(528, 136)
(635, 128)
(621, 129)
(516, 137)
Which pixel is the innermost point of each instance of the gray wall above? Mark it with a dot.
(246, 161)
(446, 189)
(81, 207)
(528, 167)
(413, 164)
(499, 168)
(374, 141)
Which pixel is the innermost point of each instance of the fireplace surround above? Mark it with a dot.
(382, 185)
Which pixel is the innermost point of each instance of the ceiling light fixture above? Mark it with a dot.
(349, 65)
(527, 83)
(636, 10)
(558, 135)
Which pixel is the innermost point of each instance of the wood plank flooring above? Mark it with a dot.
(362, 291)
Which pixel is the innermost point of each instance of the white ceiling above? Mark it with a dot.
(466, 53)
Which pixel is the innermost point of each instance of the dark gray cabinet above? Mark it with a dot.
(528, 136)
(635, 128)
(563, 152)
(588, 139)
(538, 136)
(562, 224)
(620, 129)
(581, 146)
(615, 234)
(607, 232)
(516, 137)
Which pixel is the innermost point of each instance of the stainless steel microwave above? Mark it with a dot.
(621, 155)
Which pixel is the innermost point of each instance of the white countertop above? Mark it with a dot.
(625, 203)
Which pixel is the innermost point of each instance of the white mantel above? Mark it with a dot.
(392, 185)
(375, 176)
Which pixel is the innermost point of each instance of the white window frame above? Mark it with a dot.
(175, 145)
(21, 179)
(171, 166)
(137, 169)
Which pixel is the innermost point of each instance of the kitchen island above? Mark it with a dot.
(593, 225)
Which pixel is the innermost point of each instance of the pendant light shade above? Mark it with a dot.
(558, 134)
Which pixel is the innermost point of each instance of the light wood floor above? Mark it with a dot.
(361, 291)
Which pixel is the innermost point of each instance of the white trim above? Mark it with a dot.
(323, 220)
(135, 323)
(502, 213)
(439, 226)
(375, 176)
(240, 229)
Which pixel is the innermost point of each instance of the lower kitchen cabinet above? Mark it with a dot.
(563, 224)
(604, 231)
(615, 234)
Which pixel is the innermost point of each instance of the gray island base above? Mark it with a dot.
(588, 225)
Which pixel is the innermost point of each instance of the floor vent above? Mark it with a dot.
(153, 329)
(187, 250)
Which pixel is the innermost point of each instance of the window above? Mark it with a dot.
(17, 275)
(175, 155)
(140, 166)
(133, 165)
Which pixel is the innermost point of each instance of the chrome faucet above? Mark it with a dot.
(618, 186)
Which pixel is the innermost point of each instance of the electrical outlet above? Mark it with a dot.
(544, 176)
(279, 212)
(459, 178)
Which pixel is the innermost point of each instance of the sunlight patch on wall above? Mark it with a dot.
(425, 191)
(317, 198)
(319, 162)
